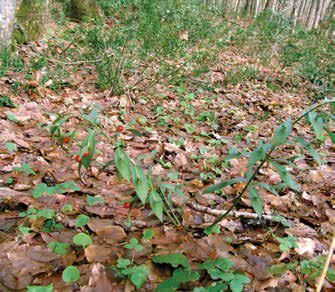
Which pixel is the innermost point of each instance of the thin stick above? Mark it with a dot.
(325, 268)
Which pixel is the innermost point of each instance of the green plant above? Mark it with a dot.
(262, 154)
(6, 102)
(48, 288)
(82, 239)
(24, 168)
(71, 274)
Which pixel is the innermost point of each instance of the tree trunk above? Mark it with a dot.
(81, 9)
(7, 16)
(31, 18)
(307, 13)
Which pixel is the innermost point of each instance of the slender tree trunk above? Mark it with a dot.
(7, 16)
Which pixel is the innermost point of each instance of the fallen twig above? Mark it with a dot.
(326, 266)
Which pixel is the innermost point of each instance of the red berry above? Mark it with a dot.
(66, 140)
(77, 158)
(126, 205)
(87, 153)
(119, 128)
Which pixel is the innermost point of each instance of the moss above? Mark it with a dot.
(30, 19)
(83, 9)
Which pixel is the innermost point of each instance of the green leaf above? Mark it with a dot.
(174, 259)
(282, 133)
(67, 208)
(331, 135)
(212, 230)
(148, 234)
(94, 200)
(59, 247)
(238, 283)
(256, 155)
(256, 201)
(82, 220)
(40, 288)
(123, 163)
(139, 275)
(140, 182)
(189, 129)
(285, 176)
(45, 213)
(70, 274)
(24, 230)
(88, 145)
(173, 175)
(82, 239)
(156, 204)
(222, 185)
(269, 188)
(179, 277)
(123, 263)
(278, 269)
(24, 168)
(12, 118)
(6, 102)
(310, 149)
(317, 124)
(11, 147)
(133, 243)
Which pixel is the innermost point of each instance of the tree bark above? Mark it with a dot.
(7, 16)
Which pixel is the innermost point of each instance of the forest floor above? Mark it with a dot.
(185, 133)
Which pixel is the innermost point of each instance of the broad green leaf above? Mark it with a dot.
(24, 168)
(45, 213)
(67, 208)
(238, 283)
(123, 263)
(174, 259)
(82, 220)
(123, 163)
(256, 201)
(139, 275)
(148, 234)
(12, 118)
(24, 230)
(317, 124)
(222, 185)
(179, 277)
(285, 176)
(70, 274)
(5, 101)
(140, 182)
(282, 133)
(156, 204)
(82, 239)
(59, 247)
(40, 288)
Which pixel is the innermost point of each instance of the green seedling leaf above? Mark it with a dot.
(256, 201)
(70, 274)
(222, 185)
(24, 230)
(91, 201)
(123, 263)
(45, 213)
(24, 168)
(11, 147)
(174, 259)
(40, 288)
(237, 284)
(156, 204)
(139, 275)
(133, 243)
(148, 234)
(59, 247)
(282, 133)
(12, 118)
(212, 230)
(82, 220)
(6, 102)
(82, 239)
(179, 277)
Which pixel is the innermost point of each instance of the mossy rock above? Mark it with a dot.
(84, 9)
(30, 20)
